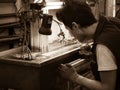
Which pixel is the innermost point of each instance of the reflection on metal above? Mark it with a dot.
(54, 5)
(110, 8)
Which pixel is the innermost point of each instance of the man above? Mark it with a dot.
(80, 21)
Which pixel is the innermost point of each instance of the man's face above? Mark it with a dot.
(78, 34)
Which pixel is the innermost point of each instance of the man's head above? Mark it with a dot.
(76, 11)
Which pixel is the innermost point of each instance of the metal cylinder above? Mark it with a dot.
(110, 8)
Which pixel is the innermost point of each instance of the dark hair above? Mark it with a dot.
(76, 11)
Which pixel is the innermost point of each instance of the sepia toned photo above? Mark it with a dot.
(59, 44)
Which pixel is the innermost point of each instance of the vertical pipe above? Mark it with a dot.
(101, 7)
(110, 7)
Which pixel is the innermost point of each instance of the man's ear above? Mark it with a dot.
(75, 25)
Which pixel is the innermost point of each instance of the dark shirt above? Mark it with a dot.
(108, 34)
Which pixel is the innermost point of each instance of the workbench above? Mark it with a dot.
(41, 73)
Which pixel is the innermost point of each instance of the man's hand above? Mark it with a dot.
(68, 72)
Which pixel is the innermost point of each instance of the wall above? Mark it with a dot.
(6, 8)
(11, 28)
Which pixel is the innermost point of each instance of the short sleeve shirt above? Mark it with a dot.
(105, 59)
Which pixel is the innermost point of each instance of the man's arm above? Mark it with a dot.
(107, 82)
(108, 79)
(107, 70)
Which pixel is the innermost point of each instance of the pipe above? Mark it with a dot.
(110, 8)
